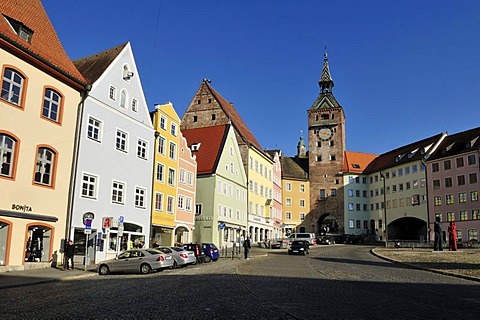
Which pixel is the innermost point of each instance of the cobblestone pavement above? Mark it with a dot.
(462, 263)
(333, 282)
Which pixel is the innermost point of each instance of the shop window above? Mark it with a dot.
(38, 244)
(4, 229)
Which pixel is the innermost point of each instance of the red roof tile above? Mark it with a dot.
(211, 141)
(357, 162)
(44, 42)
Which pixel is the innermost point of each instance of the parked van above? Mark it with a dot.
(310, 237)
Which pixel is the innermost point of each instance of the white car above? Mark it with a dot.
(136, 260)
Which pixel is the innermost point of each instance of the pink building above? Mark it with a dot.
(276, 198)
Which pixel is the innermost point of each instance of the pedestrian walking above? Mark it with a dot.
(437, 244)
(246, 247)
(69, 254)
(452, 236)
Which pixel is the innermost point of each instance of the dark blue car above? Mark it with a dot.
(211, 251)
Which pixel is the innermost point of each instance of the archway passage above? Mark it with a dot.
(327, 224)
(408, 228)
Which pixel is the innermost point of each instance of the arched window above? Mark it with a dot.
(12, 86)
(123, 98)
(7, 155)
(51, 105)
(45, 166)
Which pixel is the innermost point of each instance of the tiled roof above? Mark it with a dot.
(357, 162)
(409, 153)
(458, 143)
(44, 44)
(92, 67)
(294, 168)
(211, 141)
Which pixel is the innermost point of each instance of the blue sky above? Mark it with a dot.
(403, 70)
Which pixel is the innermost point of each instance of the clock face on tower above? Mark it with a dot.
(324, 134)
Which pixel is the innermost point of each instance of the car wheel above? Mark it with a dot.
(175, 265)
(215, 260)
(208, 259)
(145, 268)
(103, 270)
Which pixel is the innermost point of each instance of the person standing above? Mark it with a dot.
(437, 244)
(246, 247)
(452, 236)
(69, 254)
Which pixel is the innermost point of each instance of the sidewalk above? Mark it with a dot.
(43, 275)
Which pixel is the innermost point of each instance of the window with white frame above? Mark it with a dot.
(302, 187)
(288, 186)
(7, 155)
(181, 202)
(198, 209)
(163, 123)
(140, 197)
(51, 105)
(94, 129)
(170, 204)
(134, 105)
(118, 190)
(172, 154)
(112, 93)
(12, 86)
(142, 149)
(121, 140)
(288, 202)
(173, 129)
(351, 224)
(44, 166)
(302, 216)
(188, 204)
(288, 215)
(158, 201)
(89, 186)
(160, 172)
(171, 177)
(302, 203)
(190, 179)
(162, 142)
(182, 175)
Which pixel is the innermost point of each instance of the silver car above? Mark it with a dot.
(136, 260)
(180, 257)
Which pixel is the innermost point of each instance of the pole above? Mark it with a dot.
(385, 208)
(86, 250)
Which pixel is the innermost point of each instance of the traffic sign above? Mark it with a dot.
(87, 231)
(107, 222)
(88, 224)
(121, 219)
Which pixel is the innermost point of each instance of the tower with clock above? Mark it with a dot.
(326, 147)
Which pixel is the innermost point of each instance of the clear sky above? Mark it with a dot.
(403, 70)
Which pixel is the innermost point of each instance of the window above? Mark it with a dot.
(333, 157)
(462, 197)
(447, 165)
(121, 140)
(350, 207)
(8, 152)
(160, 172)
(171, 177)
(21, 30)
(288, 215)
(142, 149)
(181, 202)
(322, 194)
(89, 186)
(333, 192)
(463, 215)
(400, 172)
(302, 187)
(414, 168)
(140, 197)
(461, 180)
(449, 199)
(163, 122)
(438, 216)
(134, 105)
(302, 216)
(472, 235)
(190, 179)
(459, 162)
(172, 154)
(350, 192)
(170, 204)
(288, 186)
(448, 182)
(112, 93)
(173, 129)
(473, 195)
(44, 166)
(94, 129)
(472, 178)
(407, 170)
(437, 200)
(288, 202)
(182, 175)
(302, 203)
(358, 224)
(12, 86)
(358, 206)
(351, 223)
(52, 105)
(436, 184)
(188, 204)
(161, 145)
(158, 201)
(118, 189)
(475, 214)
(198, 209)
(471, 160)
(123, 98)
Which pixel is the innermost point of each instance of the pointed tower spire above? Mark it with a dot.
(326, 83)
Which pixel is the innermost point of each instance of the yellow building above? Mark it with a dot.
(165, 183)
(40, 95)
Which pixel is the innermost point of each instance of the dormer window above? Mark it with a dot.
(195, 146)
(20, 29)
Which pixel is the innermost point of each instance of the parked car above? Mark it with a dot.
(310, 237)
(180, 256)
(277, 244)
(325, 240)
(299, 247)
(211, 251)
(197, 250)
(136, 260)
